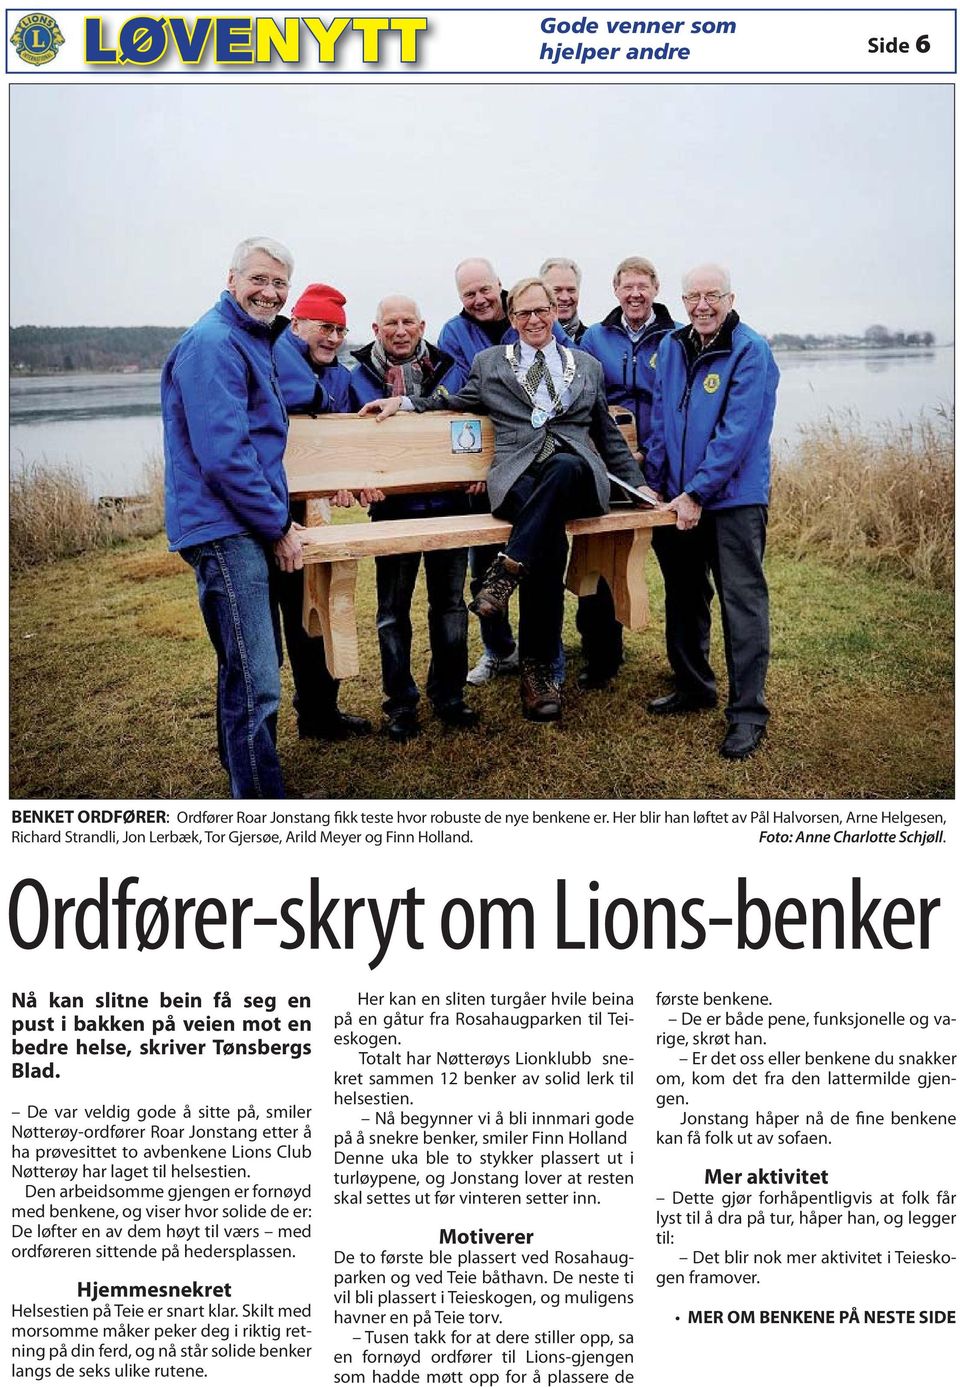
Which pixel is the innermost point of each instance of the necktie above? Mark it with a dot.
(538, 372)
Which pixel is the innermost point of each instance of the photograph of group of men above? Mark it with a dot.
(702, 392)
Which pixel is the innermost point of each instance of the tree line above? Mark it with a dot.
(50, 350)
(874, 336)
(54, 349)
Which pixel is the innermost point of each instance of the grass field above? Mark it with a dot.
(112, 680)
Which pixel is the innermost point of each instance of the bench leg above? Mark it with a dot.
(619, 557)
(329, 610)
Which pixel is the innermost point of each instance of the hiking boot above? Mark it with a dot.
(489, 666)
(539, 692)
(499, 581)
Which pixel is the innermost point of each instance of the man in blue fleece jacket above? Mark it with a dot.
(313, 381)
(227, 505)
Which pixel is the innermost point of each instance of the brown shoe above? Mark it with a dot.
(539, 692)
(499, 581)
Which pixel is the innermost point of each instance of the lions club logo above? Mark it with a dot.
(37, 39)
(652, 362)
(711, 383)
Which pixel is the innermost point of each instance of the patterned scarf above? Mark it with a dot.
(571, 326)
(402, 377)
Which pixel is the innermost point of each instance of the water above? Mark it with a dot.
(876, 387)
(108, 425)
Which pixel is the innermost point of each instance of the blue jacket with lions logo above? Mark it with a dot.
(713, 416)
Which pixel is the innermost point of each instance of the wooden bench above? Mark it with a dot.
(414, 452)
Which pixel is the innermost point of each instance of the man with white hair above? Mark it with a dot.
(227, 504)
(709, 452)
(564, 277)
(401, 362)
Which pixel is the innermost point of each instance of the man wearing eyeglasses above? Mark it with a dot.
(625, 343)
(709, 452)
(227, 504)
(555, 441)
(313, 381)
(401, 362)
(483, 323)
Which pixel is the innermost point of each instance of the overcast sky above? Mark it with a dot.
(832, 205)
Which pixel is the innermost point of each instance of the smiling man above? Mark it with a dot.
(625, 343)
(313, 381)
(401, 362)
(312, 378)
(564, 278)
(714, 399)
(227, 505)
(483, 323)
(554, 442)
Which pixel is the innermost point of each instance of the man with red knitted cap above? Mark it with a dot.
(311, 378)
(312, 381)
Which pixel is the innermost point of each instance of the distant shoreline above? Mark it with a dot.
(819, 349)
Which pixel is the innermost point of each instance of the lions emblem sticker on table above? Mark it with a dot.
(37, 39)
(465, 436)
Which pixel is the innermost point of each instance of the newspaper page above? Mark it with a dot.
(540, 1051)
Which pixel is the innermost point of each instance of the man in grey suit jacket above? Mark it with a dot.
(555, 441)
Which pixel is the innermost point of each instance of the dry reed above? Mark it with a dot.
(881, 501)
(53, 516)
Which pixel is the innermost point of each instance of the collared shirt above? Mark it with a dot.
(554, 363)
(635, 333)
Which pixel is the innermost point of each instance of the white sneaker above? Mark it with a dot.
(490, 666)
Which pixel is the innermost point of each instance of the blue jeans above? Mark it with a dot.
(240, 614)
